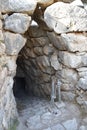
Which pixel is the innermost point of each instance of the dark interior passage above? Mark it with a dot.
(19, 86)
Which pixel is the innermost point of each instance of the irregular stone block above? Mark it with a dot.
(58, 127)
(36, 32)
(48, 49)
(70, 124)
(74, 42)
(0, 24)
(44, 3)
(2, 48)
(54, 62)
(14, 43)
(82, 83)
(27, 6)
(70, 60)
(3, 75)
(17, 22)
(38, 51)
(11, 65)
(1, 36)
(43, 61)
(68, 96)
(63, 17)
(68, 78)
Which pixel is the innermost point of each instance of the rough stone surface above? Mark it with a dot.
(52, 64)
(2, 49)
(18, 6)
(44, 3)
(62, 17)
(17, 22)
(70, 124)
(14, 43)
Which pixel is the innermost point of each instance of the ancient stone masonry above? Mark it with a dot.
(50, 54)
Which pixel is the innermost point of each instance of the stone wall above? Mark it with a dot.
(54, 54)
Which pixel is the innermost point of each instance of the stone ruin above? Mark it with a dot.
(43, 45)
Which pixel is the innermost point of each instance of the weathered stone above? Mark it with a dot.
(11, 65)
(36, 32)
(14, 43)
(3, 74)
(38, 51)
(68, 76)
(82, 83)
(44, 3)
(69, 59)
(74, 42)
(82, 127)
(0, 15)
(62, 17)
(70, 124)
(82, 72)
(47, 129)
(68, 96)
(0, 24)
(37, 42)
(17, 22)
(18, 6)
(1, 36)
(48, 49)
(30, 53)
(44, 78)
(2, 48)
(56, 41)
(73, 60)
(54, 62)
(58, 127)
(43, 61)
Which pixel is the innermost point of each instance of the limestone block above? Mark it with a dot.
(0, 24)
(70, 60)
(3, 60)
(2, 48)
(36, 32)
(56, 40)
(48, 49)
(70, 124)
(43, 61)
(74, 42)
(82, 71)
(57, 127)
(14, 43)
(1, 36)
(11, 65)
(38, 51)
(0, 15)
(44, 78)
(3, 74)
(64, 17)
(82, 83)
(68, 96)
(83, 127)
(17, 22)
(68, 76)
(44, 3)
(30, 53)
(27, 6)
(37, 42)
(54, 62)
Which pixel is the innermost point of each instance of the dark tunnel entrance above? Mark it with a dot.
(19, 86)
